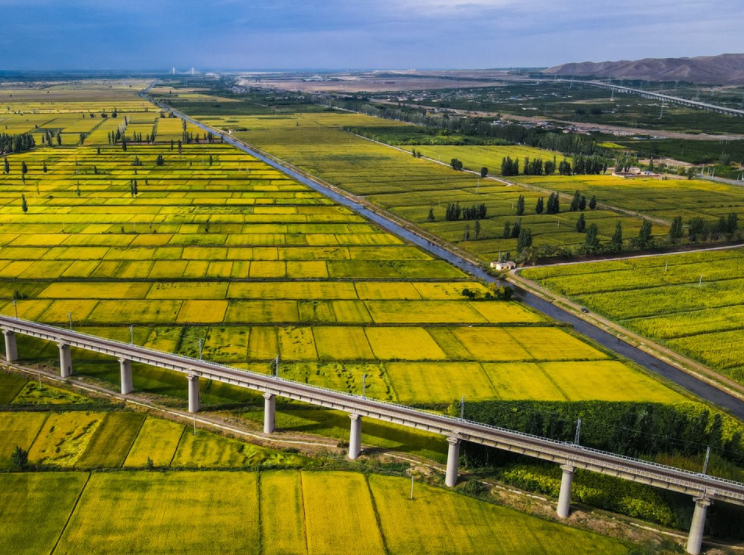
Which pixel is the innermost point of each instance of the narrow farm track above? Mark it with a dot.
(693, 384)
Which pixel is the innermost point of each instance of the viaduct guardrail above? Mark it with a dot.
(660, 96)
(705, 489)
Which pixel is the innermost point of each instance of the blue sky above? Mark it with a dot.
(339, 34)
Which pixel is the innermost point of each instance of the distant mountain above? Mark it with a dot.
(726, 69)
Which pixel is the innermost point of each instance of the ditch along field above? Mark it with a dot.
(692, 302)
(217, 247)
(267, 507)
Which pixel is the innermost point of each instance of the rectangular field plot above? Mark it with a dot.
(157, 440)
(339, 524)
(282, 514)
(35, 508)
(342, 343)
(18, 429)
(112, 440)
(473, 527)
(403, 344)
(439, 382)
(145, 511)
(64, 437)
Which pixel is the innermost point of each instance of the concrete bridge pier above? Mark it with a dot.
(193, 393)
(697, 529)
(11, 350)
(269, 413)
(65, 360)
(355, 438)
(126, 376)
(453, 459)
(564, 498)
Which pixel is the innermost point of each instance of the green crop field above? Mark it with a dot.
(690, 302)
(96, 439)
(289, 513)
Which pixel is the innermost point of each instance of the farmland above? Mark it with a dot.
(689, 302)
(217, 251)
(410, 187)
(275, 509)
(280, 509)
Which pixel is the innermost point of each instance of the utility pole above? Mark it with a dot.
(578, 432)
(15, 309)
(364, 384)
(201, 344)
(131, 334)
(69, 316)
(411, 486)
(462, 408)
(276, 366)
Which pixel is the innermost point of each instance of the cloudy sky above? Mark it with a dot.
(339, 34)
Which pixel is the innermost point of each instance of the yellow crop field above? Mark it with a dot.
(282, 520)
(553, 344)
(19, 429)
(202, 312)
(395, 343)
(522, 380)
(216, 245)
(423, 312)
(157, 441)
(206, 450)
(606, 381)
(135, 505)
(408, 525)
(342, 343)
(339, 524)
(425, 382)
(64, 437)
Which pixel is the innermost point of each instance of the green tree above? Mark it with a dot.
(580, 224)
(6, 166)
(520, 205)
(44, 168)
(19, 458)
(24, 204)
(430, 217)
(591, 240)
(517, 229)
(507, 230)
(525, 239)
(644, 235)
(24, 169)
(456, 164)
(484, 171)
(676, 231)
(582, 203)
(593, 203)
(466, 233)
(476, 228)
(697, 229)
(575, 202)
(539, 206)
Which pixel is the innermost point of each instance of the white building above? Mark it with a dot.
(503, 266)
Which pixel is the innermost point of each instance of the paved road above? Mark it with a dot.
(646, 360)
